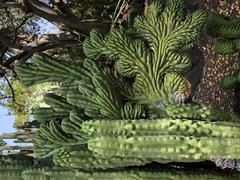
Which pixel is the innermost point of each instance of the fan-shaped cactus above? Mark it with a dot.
(157, 66)
(50, 138)
(151, 61)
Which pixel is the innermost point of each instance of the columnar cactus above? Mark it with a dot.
(101, 119)
(131, 174)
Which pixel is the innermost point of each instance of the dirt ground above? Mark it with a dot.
(216, 66)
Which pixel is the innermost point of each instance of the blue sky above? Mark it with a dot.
(6, 120)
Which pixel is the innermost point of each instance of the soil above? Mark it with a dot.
(216, 66)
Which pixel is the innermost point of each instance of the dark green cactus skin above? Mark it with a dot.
(231, 81)
(50, 138)
(45, 69)
(227, 30)
(199, 112)
(82, 158)
(11, 172)
(16, 159)
(131, 174)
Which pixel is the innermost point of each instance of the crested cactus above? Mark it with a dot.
(50, 138)
(157, 66)
(150, 62)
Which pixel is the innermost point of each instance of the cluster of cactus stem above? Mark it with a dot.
(101, 120)
(227, 31)
(58, 173)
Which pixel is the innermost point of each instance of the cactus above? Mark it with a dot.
(11, 172)
(166, 126)
(157, 67)
(169, 147)
(150, 62)
(199, 112)
(45, 69)
(227, 30)
(16, 159)
(131, 174)
(75, 157)
(50, 138)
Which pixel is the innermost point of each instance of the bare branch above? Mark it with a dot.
(42, 43)
(44, 11)
(10, 5)
(11, 88)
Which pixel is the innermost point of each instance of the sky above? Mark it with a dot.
(6, 123)
(6, 120)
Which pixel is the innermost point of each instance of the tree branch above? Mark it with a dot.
(10, 5)
(38, 8)
(11, 88)
(42, 43)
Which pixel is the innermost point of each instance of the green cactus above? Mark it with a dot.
(16, 159)
(169, 147)
(50, 138)
(131, 174)
(199, 112)
(166, 126)
(11, 172)
(45, 69)
(231, 81)
(150, 62)
(223, 27)
(75, 157)
(227, 30)
(157, 67)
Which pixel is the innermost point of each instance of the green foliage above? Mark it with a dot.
(224, 47)
(223, 27)
(17, 102)
(227, 30)
(2, 142)
(85, 10)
